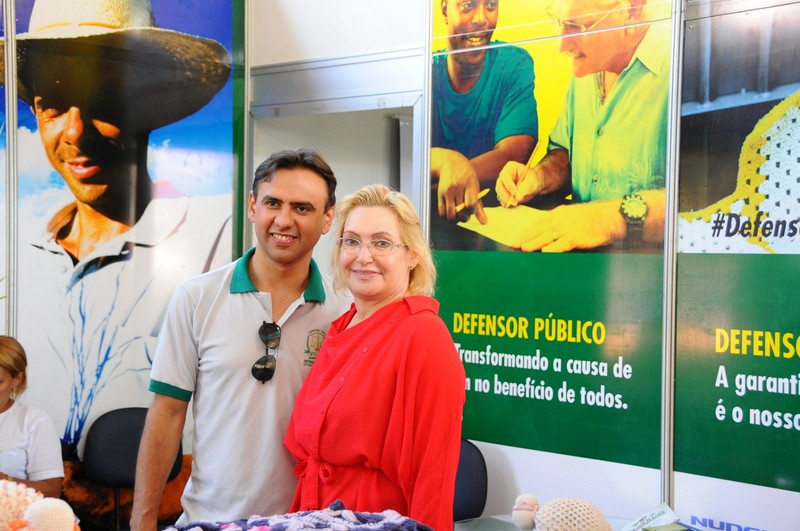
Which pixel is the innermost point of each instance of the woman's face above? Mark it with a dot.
(7, 384)
(377, 272)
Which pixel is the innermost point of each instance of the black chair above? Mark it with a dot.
(471, 483)
(112, 445)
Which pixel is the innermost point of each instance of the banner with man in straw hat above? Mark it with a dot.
(122, 213)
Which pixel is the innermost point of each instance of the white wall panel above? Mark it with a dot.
(283, 31)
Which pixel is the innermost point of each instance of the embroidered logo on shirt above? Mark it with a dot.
(313, 344)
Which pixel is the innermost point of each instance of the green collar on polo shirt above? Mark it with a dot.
(241, 282)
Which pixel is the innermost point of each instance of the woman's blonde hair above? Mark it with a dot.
(422, 278)
(14, 361)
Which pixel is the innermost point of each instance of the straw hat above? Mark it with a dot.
(114, 48)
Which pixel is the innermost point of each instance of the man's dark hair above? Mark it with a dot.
(289, 159)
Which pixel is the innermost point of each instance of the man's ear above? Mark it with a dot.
(328, 221)
(444, 10)
(251, 207)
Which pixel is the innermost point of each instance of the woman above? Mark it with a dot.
(377, 423)
(30, 451)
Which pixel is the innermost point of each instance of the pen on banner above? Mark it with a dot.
(481, 195)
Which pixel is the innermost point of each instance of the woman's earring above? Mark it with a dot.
(14, 393)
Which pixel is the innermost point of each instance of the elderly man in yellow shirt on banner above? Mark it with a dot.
(609, 145)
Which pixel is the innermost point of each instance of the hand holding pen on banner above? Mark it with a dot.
(511, 182)
(481, 195)
(519, 183)
(457, 184)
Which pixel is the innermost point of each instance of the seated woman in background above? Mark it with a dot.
(30, 451)
(377, 423)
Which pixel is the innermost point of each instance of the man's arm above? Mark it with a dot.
(160, 440)
(460, 179)
(515, 148)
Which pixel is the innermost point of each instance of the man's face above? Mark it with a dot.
(471, 24)
(590, 49)
(86, 142)
(289, 214)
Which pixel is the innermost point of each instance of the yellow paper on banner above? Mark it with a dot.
(507, 226)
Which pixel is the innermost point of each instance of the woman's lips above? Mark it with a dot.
(365, 273)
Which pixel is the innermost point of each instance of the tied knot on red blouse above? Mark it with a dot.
(324, 470)
(308, 471)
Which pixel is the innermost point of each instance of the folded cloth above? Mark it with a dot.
(335, 517)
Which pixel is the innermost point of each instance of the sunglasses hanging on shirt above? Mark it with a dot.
(264, 368)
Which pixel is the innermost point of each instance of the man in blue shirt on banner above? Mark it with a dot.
(484, 112)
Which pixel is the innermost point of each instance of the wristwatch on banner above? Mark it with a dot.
(633, 209)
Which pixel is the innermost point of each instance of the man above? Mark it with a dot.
(99, 77)
(608, 147)
(212, 349)
(484, 113)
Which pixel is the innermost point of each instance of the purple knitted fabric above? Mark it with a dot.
(336, 518)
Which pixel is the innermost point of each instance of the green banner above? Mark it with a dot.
(562, 352)
(737, 384)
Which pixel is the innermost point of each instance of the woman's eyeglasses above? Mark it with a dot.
(375, 247)
(264, 368)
